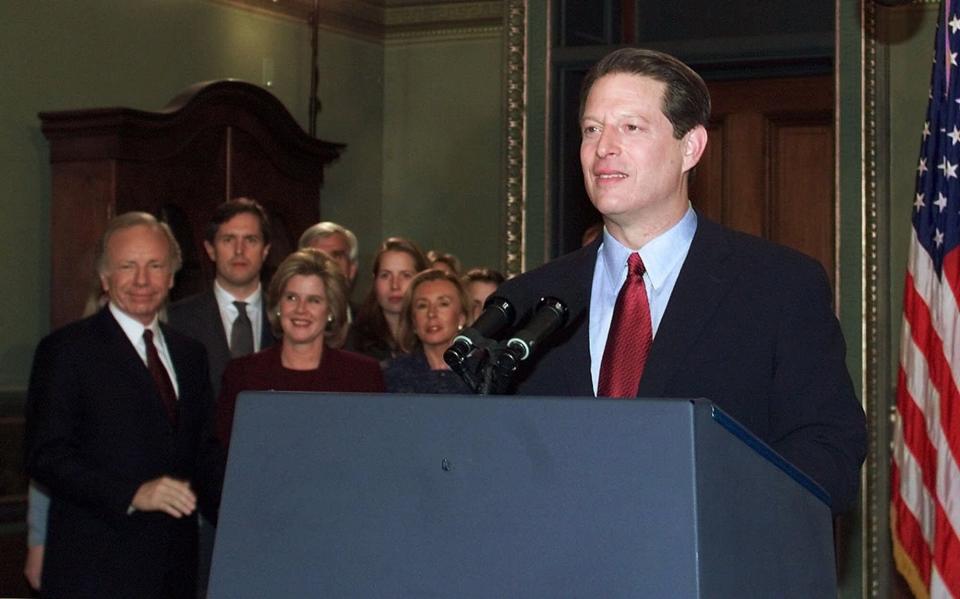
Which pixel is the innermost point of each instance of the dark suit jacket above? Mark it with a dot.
(97, 430)
(198, 316)
(749, 326)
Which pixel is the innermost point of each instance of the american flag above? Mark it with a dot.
(925, 497)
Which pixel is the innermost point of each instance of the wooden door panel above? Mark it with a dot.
(768, 168)
(802, 212)
(744, 181)
(706, 182)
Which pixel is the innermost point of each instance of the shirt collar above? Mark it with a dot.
(660, 255)
(225, 298)
(132, 327)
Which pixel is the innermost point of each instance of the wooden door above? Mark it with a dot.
(769, 164)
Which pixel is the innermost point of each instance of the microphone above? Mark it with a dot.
(551, 314)
(498, 314)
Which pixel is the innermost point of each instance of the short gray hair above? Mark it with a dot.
(326, 229)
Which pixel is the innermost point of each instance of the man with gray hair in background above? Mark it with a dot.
(336, 240)
(341, 244)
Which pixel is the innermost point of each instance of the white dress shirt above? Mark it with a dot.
(134, 332)
(229, 312)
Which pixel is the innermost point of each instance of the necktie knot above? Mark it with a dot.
(148, 336)
(635, 265)
(241, 308)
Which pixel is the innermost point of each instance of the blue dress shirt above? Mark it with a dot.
(662, 257)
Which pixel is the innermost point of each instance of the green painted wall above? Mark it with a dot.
(140, 53)
(908, 36)
(536, 144)
(897, 44)
(850, 263)
(351, 95)
(443, 147)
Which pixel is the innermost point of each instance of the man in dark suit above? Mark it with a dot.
(118, 411)
(229, 319)
(668, 304)
(237, 242)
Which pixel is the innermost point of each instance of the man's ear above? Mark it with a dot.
(694, 144)
(211, 251)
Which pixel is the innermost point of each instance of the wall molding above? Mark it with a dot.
(879, 397)
(515, 88)
(387, 21)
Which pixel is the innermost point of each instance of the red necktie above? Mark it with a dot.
(160, 377)
(630, 336)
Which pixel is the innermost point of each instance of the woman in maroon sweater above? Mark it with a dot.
(307, 308)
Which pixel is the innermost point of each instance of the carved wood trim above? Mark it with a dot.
(383, 22)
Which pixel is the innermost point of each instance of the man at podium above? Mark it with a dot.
(666, 303)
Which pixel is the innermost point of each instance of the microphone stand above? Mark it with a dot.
(503, 370)
(488, 369)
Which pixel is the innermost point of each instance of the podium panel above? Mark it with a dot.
(343, 495)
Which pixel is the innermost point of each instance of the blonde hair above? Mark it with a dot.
(310, 262)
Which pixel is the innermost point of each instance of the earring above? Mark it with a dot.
(330, 318)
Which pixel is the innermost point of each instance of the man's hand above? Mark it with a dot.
(34, 566)
(165, 494)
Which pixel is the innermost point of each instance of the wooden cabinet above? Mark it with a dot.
(215, 141)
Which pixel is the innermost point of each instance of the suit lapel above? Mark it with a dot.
(129, 365)
(704, 277)
(216, 337)
(575, 286)
(577, 370)
(178, 357)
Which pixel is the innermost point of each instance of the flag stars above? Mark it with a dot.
(938, 238)
(941, 202)
(922, 168)
(949, 170)
(953, 59)
(919, 202)
(954, 24)
(926, 130)
(954, 135)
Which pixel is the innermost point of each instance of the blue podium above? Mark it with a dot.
(343, 495)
